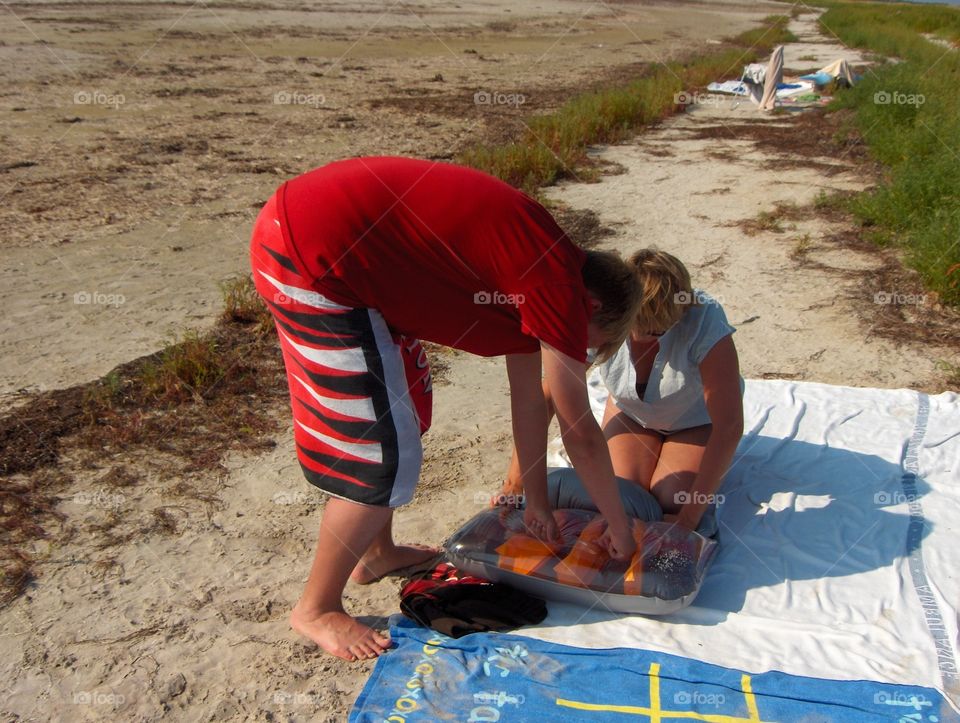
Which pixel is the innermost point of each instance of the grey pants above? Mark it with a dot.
(566, 491)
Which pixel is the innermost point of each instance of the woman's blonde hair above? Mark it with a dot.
(613, 283)
(666, 291)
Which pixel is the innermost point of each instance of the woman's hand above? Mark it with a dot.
(619, 544)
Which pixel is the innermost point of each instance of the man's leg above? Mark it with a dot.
(360, 402)
(384, 556)
(346, 531)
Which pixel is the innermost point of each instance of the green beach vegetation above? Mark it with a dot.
(554, 145)
(907, 109)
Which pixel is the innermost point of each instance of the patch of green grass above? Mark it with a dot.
(769, 221)
(801, 247)
(242, 303)
(184, 369)
(111, 386)
(835, 201)
(554, 146)
(952, 370)
(908, 113)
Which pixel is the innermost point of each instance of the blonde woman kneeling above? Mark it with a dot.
(674, 414)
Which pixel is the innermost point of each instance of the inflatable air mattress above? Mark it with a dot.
(663, 576)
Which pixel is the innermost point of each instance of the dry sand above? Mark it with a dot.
(193, 625)
(140, 139)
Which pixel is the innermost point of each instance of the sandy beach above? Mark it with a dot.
(142, 140)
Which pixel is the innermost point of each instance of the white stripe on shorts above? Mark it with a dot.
(409, 445)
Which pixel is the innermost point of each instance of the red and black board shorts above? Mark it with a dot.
(361, 394)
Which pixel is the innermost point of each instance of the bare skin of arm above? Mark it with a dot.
(513, 486)
(720, 371)
(530, 418)
(517, 483)
(584, 442)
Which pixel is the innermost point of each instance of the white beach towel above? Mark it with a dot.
(839, 538)
(732, 87)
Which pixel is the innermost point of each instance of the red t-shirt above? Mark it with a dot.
(445, 253)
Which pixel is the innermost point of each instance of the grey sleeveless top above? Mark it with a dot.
(673, 399)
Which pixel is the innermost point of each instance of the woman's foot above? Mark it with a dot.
(379, 563)
(339, 634)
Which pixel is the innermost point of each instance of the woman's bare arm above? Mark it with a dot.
(720, 371)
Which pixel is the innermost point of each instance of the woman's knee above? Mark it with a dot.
(673, 489)
(634, 454)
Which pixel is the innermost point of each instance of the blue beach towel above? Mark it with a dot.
(489, 677)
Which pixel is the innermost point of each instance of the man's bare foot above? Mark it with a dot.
(541, 524)
(376, 564)
(339, 634)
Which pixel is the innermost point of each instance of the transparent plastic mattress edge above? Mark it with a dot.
(663, 576)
